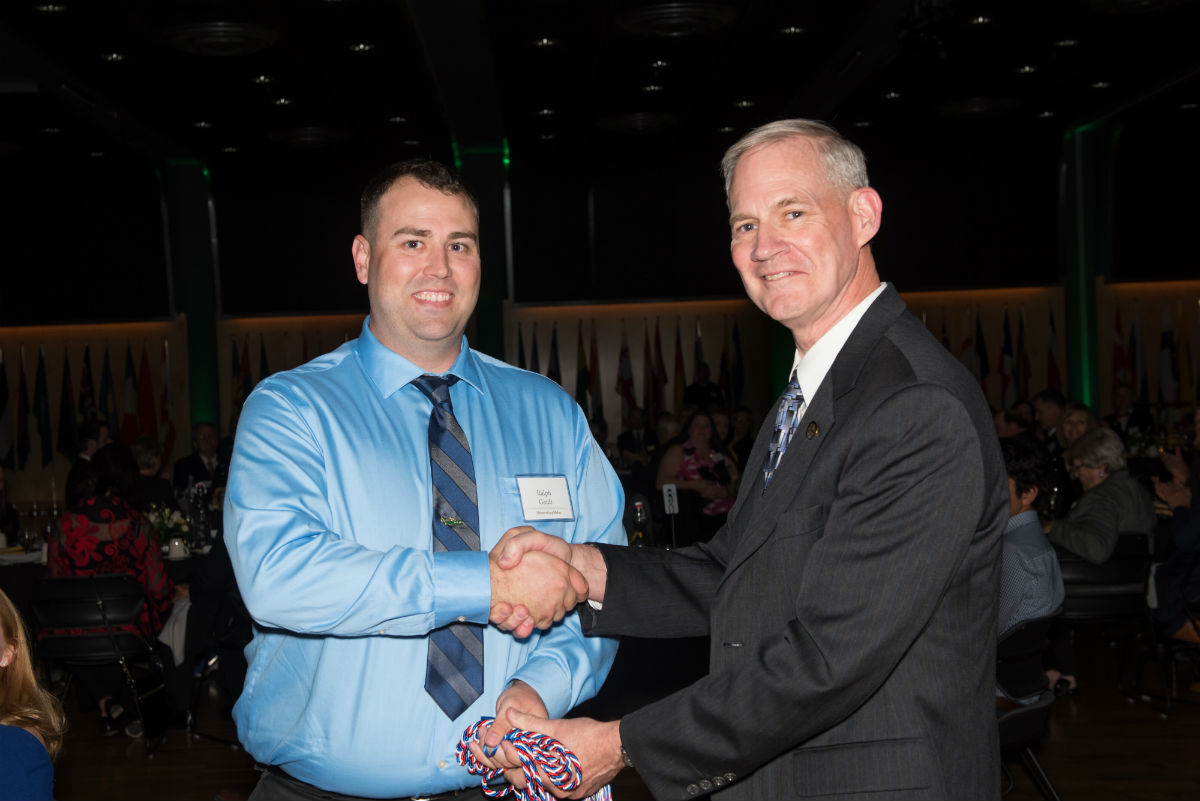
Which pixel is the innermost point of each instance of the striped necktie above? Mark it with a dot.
(454, 673)
(785, 425)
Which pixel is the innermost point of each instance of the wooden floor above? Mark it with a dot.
(1098, 746)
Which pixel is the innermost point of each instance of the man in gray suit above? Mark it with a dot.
(851, 597)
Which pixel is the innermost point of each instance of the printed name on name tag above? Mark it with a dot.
(545, 498)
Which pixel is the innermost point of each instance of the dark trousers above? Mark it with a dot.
(275, 785)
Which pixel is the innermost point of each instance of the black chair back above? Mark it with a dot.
(1112, 589)
(81, 618)
(1019, 651)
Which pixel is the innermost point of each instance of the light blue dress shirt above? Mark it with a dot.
(328, 516)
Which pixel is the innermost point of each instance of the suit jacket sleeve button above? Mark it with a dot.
(706, 785)
(719, 781)
(692, 789)
(730, 777)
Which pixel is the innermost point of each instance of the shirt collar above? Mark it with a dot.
(390, 372)
(1021, 519)
(812, 368)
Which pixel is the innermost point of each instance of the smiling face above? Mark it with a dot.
(421, 267)
(798, 241)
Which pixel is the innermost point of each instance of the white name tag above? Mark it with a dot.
(545, 498)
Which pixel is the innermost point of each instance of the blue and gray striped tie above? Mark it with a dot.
(454, 674)
(785, 426)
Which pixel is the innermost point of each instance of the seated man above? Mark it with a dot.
(202, 464)
(1031, 584)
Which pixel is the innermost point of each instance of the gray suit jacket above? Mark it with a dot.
(851, 606)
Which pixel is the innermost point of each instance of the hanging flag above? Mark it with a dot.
(1184, 359)
(129, 400)
(649, 402)
(520, 347)
(1168, 366)
(68, 425)
(263, 369)
(553, 371)
(41, 408)
(594, 377)
(1023, 371)
(982, 354)
(624, 385)
(108, 399)
(22, 416)
(1004, 367)
(1137, 361)
(7, 458)
(237, 394)
(166, 419)
(697, 354)
(87, 394)
(1120, 357)
(679, 379)
(583, 381)
(660, 371)
(247, 379)
(534, 361)
(147, 417)
(738, 370)
(1053, 374)
(966, 350)
(724, 376)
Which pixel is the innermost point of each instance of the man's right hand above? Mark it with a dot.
(517, 545)
(537, 589)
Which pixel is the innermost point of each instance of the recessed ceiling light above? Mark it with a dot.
(412, 142)
(546, 137)
(1045, 115)
(397, 120)
(361, 47)
(113, 57)
(893, 95)
(51, 130)
(1188, 106)
(1027, 69)
(262, 80)
(97, 154)
(282, 101)
(863, 124)
(726, 129)
(981, 19)
(651, 87)
(791, 30)
(203, 124)
(545, 112)
(744, 103)
(658, 63)
(50, 8)
(1066, 43)
(229, 149)
(1101, 85)
(544, 41)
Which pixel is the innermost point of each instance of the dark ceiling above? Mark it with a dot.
(610, 106)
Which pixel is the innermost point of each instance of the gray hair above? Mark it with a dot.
(1100, 447)
(845, 163)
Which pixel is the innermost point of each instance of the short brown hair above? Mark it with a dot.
(429, 173)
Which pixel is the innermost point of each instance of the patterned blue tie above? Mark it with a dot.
(785, 426)
(454, 673)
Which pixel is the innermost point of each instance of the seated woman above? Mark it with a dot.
(1113, 503)
(31, 719)
(700, 465)
(1077, 420)
(101, 535)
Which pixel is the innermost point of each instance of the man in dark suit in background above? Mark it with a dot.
(203, 463)
(851, 597)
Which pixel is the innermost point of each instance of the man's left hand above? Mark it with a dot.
(597, 745)
(518, 697)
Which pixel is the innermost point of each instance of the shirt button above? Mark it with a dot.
(692, 789)
(461, 619)
(441, 764)
(706, 785)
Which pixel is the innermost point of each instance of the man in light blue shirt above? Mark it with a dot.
(1031, 584)
(329, 514)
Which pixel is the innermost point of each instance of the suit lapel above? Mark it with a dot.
(761, 511)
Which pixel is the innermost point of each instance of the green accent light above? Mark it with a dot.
(457, 155)
(506, 160)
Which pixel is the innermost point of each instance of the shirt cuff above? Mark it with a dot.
(462, 587)
(548, 681)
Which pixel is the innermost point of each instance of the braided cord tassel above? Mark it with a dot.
(535, 751)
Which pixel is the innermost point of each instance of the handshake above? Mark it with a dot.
(538, 578)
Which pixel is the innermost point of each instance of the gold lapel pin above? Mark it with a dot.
(452, 522)
(813, 430)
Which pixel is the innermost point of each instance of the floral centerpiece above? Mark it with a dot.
(168, 523)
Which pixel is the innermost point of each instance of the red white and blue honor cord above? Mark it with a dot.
(535, 751)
